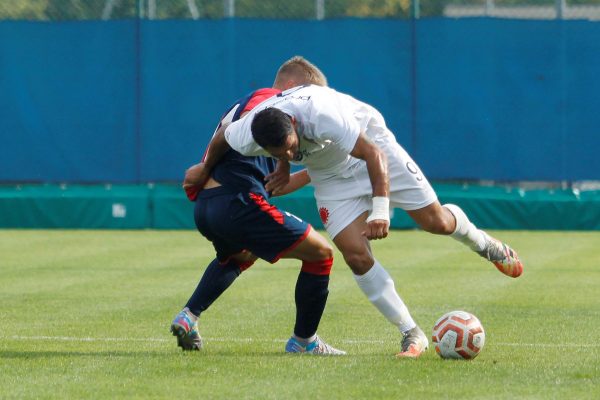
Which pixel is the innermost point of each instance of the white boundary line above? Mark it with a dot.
(249, 340)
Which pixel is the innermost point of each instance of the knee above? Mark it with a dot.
(314, 248)
(244, 260)
(325, 251)
(359, 262)
(440, 223)
(320, 261)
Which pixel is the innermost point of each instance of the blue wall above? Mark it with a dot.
(505, 100)
(136, 101)
(67, 102)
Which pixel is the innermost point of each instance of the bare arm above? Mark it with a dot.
(297, 180)
(278, 178)
(198, 174)
(378, 223)
(217, 148)
(376, 160)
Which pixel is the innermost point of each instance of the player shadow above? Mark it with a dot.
(248, 353)
(10, 354)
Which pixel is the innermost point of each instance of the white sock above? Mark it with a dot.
(379, 288)
(465, 231)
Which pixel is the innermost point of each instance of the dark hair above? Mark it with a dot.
(270, 127)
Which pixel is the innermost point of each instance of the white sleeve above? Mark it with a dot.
(239, 136)
(333, 122)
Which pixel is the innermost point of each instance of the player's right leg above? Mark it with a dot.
(375, 282)
(311, 294)
(272, 234)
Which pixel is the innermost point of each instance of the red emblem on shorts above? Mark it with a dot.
(324, 213)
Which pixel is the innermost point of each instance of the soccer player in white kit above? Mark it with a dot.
(359, 171)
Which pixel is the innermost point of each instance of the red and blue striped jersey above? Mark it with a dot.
(234, 170)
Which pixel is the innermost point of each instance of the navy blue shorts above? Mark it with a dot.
(235, 221)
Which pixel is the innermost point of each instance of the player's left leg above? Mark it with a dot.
(450, 219)
(410, 190)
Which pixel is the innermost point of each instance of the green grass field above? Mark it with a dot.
(86, 314)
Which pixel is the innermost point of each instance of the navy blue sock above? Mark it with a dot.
(311, 296)
(216, 279)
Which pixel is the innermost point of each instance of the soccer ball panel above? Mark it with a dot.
(458, 335)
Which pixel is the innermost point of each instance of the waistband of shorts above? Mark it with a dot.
(217, 191)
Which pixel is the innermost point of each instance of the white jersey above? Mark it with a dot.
(328, 124)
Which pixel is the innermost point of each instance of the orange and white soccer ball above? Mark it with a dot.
(458, 335)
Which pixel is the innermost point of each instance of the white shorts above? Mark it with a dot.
(409, 190)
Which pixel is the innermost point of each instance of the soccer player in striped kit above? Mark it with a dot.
(233, 212)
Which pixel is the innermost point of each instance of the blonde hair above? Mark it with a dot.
(298, 71)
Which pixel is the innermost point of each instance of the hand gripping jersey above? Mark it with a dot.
(244, 173)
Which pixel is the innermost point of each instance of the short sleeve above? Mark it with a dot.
(239, 136)
(332, 121)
